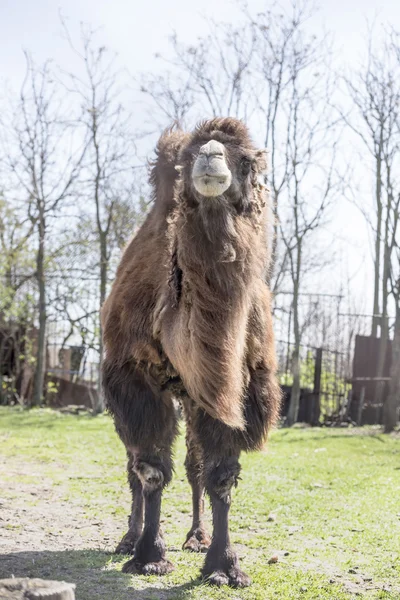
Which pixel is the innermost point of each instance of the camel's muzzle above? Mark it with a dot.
(211, 175)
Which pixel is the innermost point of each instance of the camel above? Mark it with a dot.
(189, 317)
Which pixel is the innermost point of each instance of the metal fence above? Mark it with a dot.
(323, 379)
(72, 354)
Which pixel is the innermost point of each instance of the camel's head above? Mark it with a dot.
(220, 160)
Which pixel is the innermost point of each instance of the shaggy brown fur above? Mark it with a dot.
(189, 315)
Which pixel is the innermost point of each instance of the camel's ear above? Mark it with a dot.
(260, 168)
(262, 161)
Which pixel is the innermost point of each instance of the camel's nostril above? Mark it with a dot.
(213, 149)
(214, 155)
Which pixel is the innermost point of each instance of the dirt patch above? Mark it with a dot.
(45, 536)
(36, 516)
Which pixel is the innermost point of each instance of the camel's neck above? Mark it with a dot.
(219, 250)
(217, 258)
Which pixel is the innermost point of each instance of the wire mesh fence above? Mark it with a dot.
(322, 377)
(326, 352)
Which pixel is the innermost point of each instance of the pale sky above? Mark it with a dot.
(136, 30)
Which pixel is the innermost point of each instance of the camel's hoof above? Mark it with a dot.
(197, 541)
(124, 548)
(217, 578)
(126, 545)
(234, 578)
(238, 578)
(161, 567)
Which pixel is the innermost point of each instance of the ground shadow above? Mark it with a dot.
(91, 572)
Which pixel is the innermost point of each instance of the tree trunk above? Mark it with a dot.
(293, 412)
(99, 408)
(385, 296)
(390, 411)
(2, 346)
(40, 355)
(275, 232)
(377, 263)
(294, 406)
(36, 589)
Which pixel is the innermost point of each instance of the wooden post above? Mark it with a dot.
(348, 405)
(36, 589)
(316, 407)
(361, 406)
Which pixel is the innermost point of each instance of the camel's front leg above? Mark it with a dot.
(221, 565)
(149, 557)
(146, 422)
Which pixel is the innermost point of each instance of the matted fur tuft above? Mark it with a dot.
(163, 173)
(234, 128)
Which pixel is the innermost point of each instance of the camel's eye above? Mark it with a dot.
(245, 165)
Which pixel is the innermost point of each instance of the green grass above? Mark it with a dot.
(335, 495)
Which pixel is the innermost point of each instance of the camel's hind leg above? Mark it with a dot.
(128, 542)
(197, 539)
(146, 422)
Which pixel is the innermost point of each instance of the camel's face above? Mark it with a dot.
(220, 163)
(210, 173)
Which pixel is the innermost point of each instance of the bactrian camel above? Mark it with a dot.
(189, 317)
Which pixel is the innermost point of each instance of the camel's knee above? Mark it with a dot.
(221, 476)
(151, 478)
(153, 473)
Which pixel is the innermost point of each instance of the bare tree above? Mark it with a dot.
(16, 230)
(44, 160)
(212, 77)
(74, 290)
(109, 159)
(16, 306)
(392, 257)
(299, 86)
(375, 94)
(276, 34)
